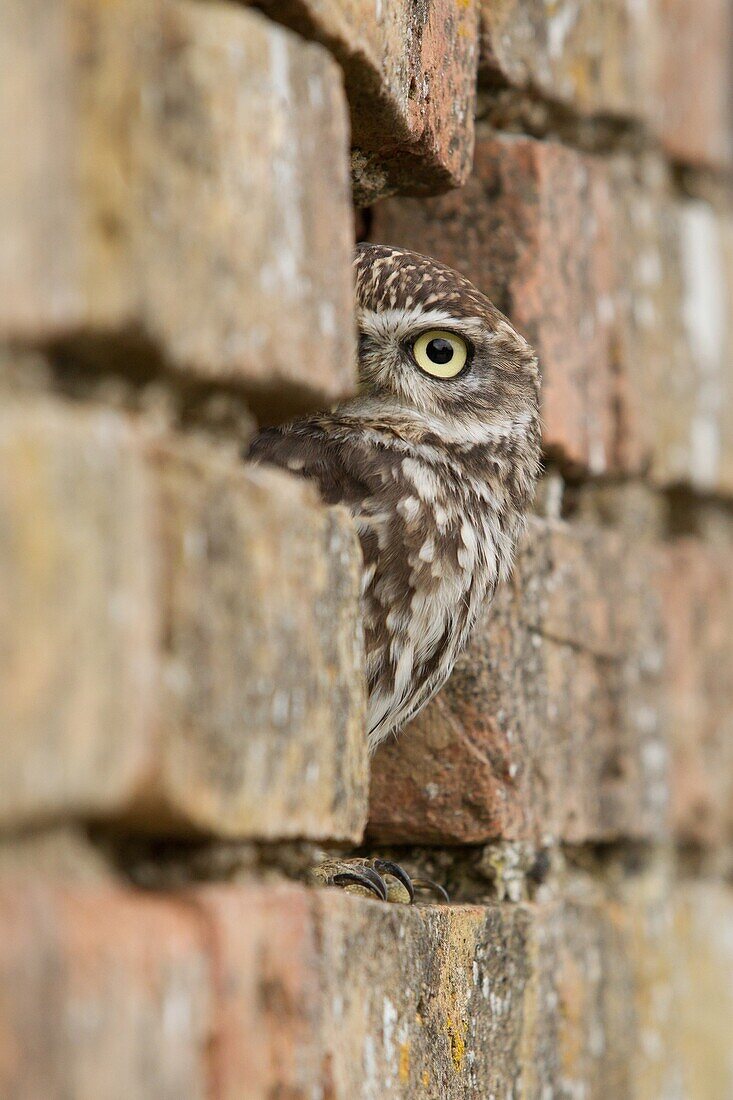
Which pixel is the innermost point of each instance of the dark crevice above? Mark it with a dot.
(126, 370)
(484, 873)
(363, 220)
(82, 360)
(530, 112)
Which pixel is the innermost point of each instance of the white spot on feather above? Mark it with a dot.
(427, 550)
(408, 508)
(424, 480)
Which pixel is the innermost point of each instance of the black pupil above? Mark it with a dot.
(439, 351)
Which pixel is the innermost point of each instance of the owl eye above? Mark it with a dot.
(440, 354)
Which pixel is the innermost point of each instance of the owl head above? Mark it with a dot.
(431, 344)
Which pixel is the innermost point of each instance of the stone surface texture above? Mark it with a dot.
(78, 668)
(257, 991)
(262, 718)
(695, 129)
(143, 120)
(584, 55)
(182, 693)
(620, 60)
(697, 585)
(410, 75)
(181, 638)
(103, 993)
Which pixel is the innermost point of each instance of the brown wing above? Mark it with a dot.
(305, 449)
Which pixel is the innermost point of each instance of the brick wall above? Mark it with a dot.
(181, 702)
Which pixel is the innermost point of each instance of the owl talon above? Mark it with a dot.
(435, 887)
(361, 876)
(387, 867)
(382, 878)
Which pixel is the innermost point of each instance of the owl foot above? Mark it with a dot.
(380, 878)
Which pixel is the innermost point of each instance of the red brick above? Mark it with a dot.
(264, 943)
(312, 1002)
(549, 726)
(560, 994)
(257, 990)
(410, 76)
(103, 992)
(692, 73)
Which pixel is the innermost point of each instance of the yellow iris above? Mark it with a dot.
(440, 354)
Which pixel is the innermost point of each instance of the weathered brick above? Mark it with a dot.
(691, 50)
(103, 992)
(591, 57)
(62, 853)
(268, 1016)
(673, 337)
(454, 1029)
(410, 74)
(181, 639)
(622, 59)
(320, 1005)
(159, 147)
(697, 597)
(257, 990)
(77, 629)
(608, 964)
(549, 726)
(655, 387)
(262, 716)
(501, 999)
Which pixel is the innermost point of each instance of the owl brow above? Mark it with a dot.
(405, 322)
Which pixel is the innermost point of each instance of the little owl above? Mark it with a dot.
(436, 459)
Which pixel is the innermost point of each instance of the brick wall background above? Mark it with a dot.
(181, 705)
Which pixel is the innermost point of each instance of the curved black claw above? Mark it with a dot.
(387, 867)
(428, 884)
(365, 877)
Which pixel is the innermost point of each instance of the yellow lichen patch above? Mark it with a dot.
(404, 1066)
(457, 1038)
(425, 1078)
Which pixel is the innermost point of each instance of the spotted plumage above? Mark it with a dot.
(437, 470)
